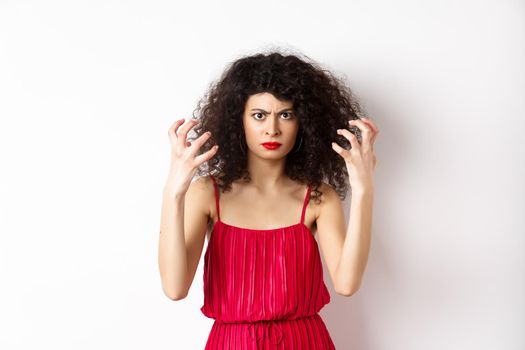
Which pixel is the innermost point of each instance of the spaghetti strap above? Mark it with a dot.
(306, 198)
(216, 191)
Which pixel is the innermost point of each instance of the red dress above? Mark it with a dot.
(264, 288)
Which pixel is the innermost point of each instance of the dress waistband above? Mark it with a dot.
(270, 329)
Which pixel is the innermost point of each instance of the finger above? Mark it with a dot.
(375, 131)
(366, 133)
(365, 129)
(184, 132)
(206, 155)
(172, 131)
(370, 123)
(342, 152)
(350, 137)
(201, 140)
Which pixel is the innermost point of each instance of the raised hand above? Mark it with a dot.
(184, 158)
(360, 159)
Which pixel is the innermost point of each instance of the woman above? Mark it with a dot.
(274, 131)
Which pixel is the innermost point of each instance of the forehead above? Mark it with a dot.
(266, 99)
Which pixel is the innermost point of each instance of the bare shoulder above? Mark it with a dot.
(200, 194)
(327, 199)
(331, 228)
(202, 183)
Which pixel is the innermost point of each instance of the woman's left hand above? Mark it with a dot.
(360, 159)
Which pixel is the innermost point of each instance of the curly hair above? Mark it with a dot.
(322, 102)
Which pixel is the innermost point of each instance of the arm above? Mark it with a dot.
(354, 254)
(185, 211)
(184, 219)
(345, 249)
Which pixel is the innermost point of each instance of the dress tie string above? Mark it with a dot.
(266, 328)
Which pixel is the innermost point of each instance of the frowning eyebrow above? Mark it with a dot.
(265, 112)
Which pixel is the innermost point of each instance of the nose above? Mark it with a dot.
(271, 133)
(272, 127)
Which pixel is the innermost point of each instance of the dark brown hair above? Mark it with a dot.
(322, 102)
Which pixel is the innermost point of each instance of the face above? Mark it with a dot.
(267, 119)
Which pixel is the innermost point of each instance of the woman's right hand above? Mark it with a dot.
(184, 162)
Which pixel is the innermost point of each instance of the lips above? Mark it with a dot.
(271, 145)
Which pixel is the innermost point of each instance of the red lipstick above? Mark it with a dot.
(271, 145)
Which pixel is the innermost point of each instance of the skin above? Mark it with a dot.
(345, 249)
(266, 119)
(266, 167)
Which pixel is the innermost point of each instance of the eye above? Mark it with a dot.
(289, 115)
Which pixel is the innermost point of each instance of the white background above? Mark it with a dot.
(88, 90)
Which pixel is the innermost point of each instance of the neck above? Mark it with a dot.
(267, 174)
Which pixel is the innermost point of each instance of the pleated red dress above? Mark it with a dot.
(264, 288)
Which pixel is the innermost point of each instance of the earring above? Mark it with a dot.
(300, 142)
(240, 145)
